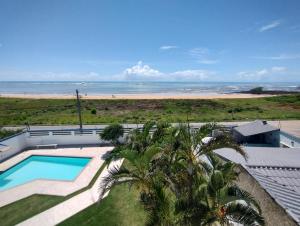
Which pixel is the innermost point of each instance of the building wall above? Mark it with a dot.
(289, 140)
(270, 138)
(273, 138)
(272, 212)
(237, 137)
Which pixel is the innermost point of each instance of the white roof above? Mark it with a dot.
(264, 156)
(255, 127)
(277, 170)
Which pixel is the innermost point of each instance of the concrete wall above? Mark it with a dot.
(273, 138)
(66, 139)
(289, 140)
(14, 144)
(270, 138)
(30, 139)
(272, 212)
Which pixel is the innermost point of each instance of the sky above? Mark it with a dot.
(150, 40)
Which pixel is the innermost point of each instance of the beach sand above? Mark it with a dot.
(148, 96)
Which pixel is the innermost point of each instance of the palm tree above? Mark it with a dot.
(138, 140)
(215, 198)
(205, 189)
(112, 133)
(180, 179)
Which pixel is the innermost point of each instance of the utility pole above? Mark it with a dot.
(79, 109)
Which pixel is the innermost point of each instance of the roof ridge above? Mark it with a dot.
(274, 167)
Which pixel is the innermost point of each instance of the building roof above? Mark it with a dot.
(277, 170)
(254, 128)
(264, 156)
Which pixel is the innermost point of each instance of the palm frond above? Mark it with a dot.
(243, 214)
(222, 141)
(116, 175)
(241, 194)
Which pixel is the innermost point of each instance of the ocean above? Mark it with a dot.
(97, 88)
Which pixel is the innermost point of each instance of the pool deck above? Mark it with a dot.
(54, 187)
(70, 207)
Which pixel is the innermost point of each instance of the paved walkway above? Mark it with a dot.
(70, 207)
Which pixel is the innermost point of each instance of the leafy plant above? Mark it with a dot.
(180, 179)
(112, 133)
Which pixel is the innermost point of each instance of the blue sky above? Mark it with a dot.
(166, 40)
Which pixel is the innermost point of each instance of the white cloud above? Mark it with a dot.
(280, 57)
(168, 47)
(141, 71)
(202, 56)
(145, 72)
(192, 75)
(278, 69)
(270, 26)
(262, 73)
(205, 61)
(199, 52)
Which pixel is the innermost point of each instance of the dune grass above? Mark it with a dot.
(59, 111)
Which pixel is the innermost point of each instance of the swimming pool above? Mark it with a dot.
(42, 167)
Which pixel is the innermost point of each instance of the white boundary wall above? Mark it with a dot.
(18, 143)
(14, 145)
(30, 139)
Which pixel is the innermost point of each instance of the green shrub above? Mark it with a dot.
(112, 133)
(93, 111)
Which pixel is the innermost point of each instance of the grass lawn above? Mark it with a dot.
(121, 207)
(23, 209)
(58, 111)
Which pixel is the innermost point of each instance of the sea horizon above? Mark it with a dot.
(137, 87)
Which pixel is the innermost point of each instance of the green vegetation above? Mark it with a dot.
(93, 111)
(112, 133)
(47, 111)
(23, 209)
(6, 133)
(169, 185)
(121, 207)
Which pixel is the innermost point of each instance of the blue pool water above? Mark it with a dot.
(42, 167)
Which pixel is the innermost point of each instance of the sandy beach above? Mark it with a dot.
(148, 96)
